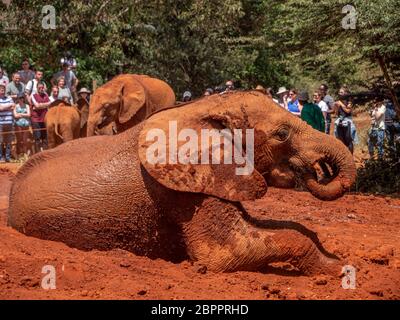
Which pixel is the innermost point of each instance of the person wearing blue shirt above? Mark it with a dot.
(293, 103)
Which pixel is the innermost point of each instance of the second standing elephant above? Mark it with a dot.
(65, 122)
(126, 101)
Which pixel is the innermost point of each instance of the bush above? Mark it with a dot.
(381, 176)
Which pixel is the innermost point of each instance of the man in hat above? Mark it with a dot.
(283, 95)
(310, 112)
(84, 93)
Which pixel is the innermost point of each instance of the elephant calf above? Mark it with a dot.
(107, 192)
(65, 122)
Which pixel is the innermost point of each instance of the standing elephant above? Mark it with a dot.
(65, 122)
(170, 209)
(125, 101)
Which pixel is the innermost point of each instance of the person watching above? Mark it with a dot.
(209, 92)
(40, 104)
(31, 87)
(84, 94)
(283, 96)
(71, 81)
(6, 124)
(63, 91)
(54, 94)
(15, 87)
(22, 115)
(187, 96)
(293, 103)
(376, 134)
(310, 112)
(26, 73)
(323, 106)
(344, 109)
(323, 90)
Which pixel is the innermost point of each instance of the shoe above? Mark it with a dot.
(2, 160)
(8, 160)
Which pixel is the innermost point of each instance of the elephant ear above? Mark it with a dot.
(133, 98)
(220, 179)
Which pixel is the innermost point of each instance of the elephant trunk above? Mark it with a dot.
(342, 170)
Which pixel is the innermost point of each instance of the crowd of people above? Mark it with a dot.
(24, 102)
(319, 111)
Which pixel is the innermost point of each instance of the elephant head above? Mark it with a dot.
(283, 148)
(125, 101)
(118, 101)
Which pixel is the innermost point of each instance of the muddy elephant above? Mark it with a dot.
(65, 122)
(147, 191)
(125, 101)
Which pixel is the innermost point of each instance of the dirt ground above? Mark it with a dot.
(361, 230)
(364, 231)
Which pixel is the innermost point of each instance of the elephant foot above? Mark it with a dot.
(302, 252)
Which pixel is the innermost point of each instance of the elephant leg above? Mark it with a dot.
(219, 237)
(67, 133)
(51, 137)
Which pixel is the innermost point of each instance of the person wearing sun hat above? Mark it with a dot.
(84, 93)
(282, 96)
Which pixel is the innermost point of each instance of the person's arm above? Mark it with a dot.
(27, 114)
(28, 92)
(345, 108)
(17, 115)
(7, 106)
(9, 92)
(75, 82)
(38, 106)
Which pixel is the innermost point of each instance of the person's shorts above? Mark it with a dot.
(6, 133)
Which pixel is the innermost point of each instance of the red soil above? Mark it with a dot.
(362, 230)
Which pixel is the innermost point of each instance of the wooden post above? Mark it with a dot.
(389, 82)
(94, 85)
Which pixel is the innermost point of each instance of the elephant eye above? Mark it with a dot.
(282, 134)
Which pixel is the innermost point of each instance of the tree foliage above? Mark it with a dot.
(194, 44)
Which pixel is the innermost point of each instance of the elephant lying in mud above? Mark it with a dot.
(108, 192)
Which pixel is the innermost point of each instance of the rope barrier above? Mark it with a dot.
(20, 131)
